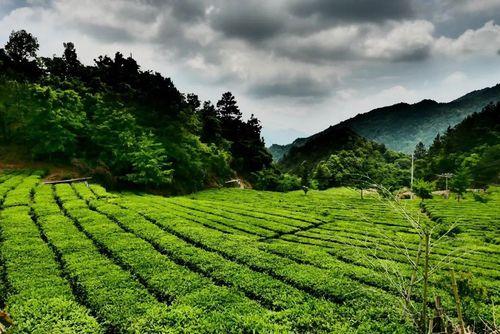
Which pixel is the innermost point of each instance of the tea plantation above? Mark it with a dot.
(77, 259)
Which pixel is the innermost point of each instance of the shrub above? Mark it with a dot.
(423, 189)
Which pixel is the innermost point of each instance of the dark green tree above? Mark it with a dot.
(70, 58)
(21, 46)
(228, 108)
(19, 57)
(322, 175)
(211, 124)
(460, 182)
(55, 122)
(246, 144)
(420, 151)
(487, 169)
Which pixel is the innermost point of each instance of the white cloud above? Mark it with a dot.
(485, 40)
(409, 40)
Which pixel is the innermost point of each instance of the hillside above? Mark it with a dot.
(279, 151)
(401, 126)
(321, 145)
(473, 144)
(339, 156)
(127, 126)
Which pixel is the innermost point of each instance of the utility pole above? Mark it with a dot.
(446, 177)
(411, 179)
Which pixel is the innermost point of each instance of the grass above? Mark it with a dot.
(78, 259)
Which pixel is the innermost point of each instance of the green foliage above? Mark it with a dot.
(274, 180)
(473, 144)
(460, 182)
(149, 163)
(486, 169)
(55, 315)
(362, 167)
(423, 189)
(40, 300)
(55, 121)
(340, 157)
(420, 151)
(322, 174)
(126, 126)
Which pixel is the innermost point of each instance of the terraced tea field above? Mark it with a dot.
(77, 259)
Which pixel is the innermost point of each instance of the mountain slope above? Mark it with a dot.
(401, 126)
(339, 156)
(473, 143)
(278, 151)
(321, 145)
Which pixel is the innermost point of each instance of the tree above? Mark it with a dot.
(19, 59)
(55, 122)
(71, 61)
(247, 146)
(322, 175)
(423, 189)
(211, 124)
(99, 114)
(486, 170)
(420, 151)
(149, 163)
(460, 182)
(227, 108)
(21, 46)
(273, 179)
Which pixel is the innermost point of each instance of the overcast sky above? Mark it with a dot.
(298, 65)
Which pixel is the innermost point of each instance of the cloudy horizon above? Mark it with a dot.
(299, 66)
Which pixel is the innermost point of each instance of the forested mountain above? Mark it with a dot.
(339, 156)
(472, 146)
(401, 126)
(122, 124)
(279, 151)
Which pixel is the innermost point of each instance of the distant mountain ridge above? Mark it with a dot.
(278, 151)
(401, 126)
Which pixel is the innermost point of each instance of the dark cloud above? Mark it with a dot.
(413, 55)
(316, 54)
(453, 17)
(247, 20)
(187, 10)
(353, 10)
(105, 33)
(498, 52)
(298, 87)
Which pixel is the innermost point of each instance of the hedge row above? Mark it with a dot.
(235, 218)
(309, 313)
(119, 301)
(39, 299)
(21, 195)
(219, 307)
(375, 307)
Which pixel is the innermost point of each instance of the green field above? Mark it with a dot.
(77, 259)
